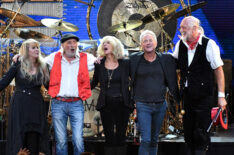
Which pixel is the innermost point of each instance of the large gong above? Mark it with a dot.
(117, 11)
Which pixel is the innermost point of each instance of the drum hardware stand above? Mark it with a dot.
(99, 134)
(167, 37)
(161, 24)
(98, 127)
(90, 5)
(184, 6)
(173, 120)
(58, 32)
(128, 34)
(132, 132)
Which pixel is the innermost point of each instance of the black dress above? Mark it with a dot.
(27, 111)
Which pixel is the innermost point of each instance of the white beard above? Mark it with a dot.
(70, 55)
(185, 37)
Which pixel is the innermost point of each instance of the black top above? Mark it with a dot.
(99, 77)
(168, 66)
(113, 85)
(27, 111)
(150, 84)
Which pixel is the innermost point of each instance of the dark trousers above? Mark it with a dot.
(115, 118)
(32, 142)
(196, 121)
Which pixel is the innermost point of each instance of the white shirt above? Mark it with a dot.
(70, 70)
(212, 53)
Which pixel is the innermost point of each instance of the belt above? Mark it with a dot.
(68, 99)
(28, 91)
(153, 102)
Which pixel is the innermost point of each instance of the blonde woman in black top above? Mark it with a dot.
(113, 102)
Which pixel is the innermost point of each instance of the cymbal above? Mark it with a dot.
(161, 12)
(19, 17)
(59, 25)
(26, 34)
(168, 9)
(186, 10)
(125, 26)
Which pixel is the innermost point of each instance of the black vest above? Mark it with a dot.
(199, 74)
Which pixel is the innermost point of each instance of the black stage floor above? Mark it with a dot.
(222, 143)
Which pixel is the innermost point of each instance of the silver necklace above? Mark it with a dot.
(109, 77)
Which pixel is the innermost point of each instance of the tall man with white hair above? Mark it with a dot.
(151, 73)
(198, 60)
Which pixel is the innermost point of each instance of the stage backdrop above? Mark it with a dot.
(216, 19)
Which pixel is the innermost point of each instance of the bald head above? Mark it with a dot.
(191, 21)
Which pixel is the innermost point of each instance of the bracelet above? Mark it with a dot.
(221, 94)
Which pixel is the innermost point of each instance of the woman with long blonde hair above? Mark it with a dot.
(31, 64)
(27, 125)
(114, 99)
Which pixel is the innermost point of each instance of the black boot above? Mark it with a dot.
(199, 152)
(121, 150)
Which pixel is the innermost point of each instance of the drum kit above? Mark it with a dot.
(161, 16)
(20, 21)
(156, 15)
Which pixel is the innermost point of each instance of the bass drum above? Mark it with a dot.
(92, 119)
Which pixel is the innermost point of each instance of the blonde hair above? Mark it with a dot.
(118, 48)
(26, 64)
